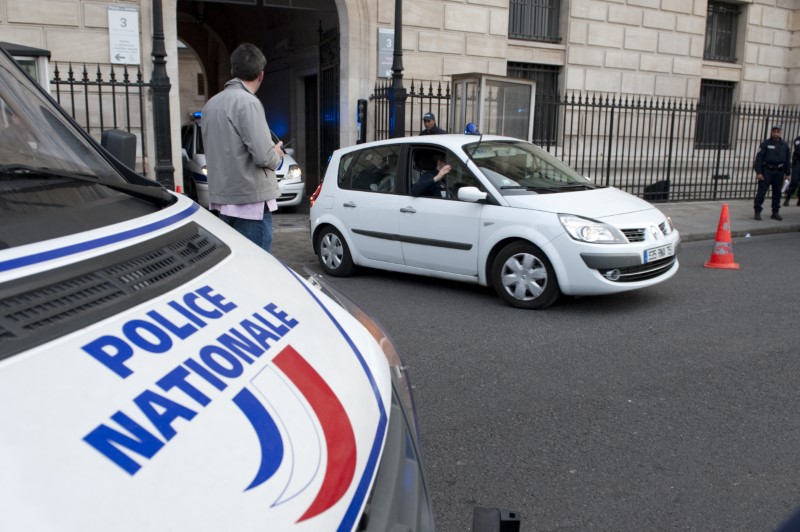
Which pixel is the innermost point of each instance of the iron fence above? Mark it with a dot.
(103, 101)
(420, 99)
(660, 149)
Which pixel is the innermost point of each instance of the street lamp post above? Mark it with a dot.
(159, 83)
(397, 95)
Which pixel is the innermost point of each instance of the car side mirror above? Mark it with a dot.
(289, 151)
(471, 194)
(184, 154)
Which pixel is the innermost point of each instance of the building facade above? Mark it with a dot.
(716, 52)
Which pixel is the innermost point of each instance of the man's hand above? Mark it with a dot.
(279, 149)
(760, 177)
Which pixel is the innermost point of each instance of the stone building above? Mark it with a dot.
(716, 51)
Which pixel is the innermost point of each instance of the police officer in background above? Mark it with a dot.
(795, 173)
(429, 121)
(771, 165)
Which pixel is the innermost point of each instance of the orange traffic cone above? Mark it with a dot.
(722, 255)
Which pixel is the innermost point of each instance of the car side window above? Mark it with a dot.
(186, 140)
(374, 170)
(424, 165)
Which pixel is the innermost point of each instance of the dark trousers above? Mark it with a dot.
(774, 179)
(794, 183)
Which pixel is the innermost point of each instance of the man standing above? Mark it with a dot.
(429, 121)
(240, 155)
(771, 167)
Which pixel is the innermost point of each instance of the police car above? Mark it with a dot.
(160, 372)
(291, 184)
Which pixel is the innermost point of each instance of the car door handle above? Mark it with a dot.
(349, 204)
(412, 210)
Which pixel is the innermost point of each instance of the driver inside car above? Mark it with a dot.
(432, 177)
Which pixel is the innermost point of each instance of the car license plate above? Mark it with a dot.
(661, 252)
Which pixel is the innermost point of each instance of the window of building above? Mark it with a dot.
(721, 25)
(545, 110)
(714, 115)
(534, 20)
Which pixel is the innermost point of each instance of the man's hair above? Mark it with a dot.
(247, 61)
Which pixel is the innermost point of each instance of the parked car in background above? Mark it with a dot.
(158, 371)
(195, 175)
(510, 216)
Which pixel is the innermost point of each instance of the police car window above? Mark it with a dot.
(37, 135)
(424, 162)
(375, 170)
(345, 164)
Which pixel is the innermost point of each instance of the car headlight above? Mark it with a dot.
(204, 170)
(592, 231)
(294, 172)
(669, 226)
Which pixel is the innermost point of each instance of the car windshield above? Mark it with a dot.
(516, 167)
(34, 134)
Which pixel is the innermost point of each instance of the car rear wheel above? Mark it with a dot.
(523, 277)
(334, 255)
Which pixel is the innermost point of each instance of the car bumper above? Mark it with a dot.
(587, 269)
(291, 194)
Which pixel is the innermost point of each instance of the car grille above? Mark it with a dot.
(642, 272)
(49, 305)
(637, 235)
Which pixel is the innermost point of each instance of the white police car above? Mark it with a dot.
(195, 175)
(489, 210)
(160, 372)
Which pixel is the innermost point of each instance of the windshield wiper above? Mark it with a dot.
(576, 186)
(156, 195)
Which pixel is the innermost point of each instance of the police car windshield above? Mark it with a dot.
(517, 167)
(34, 133)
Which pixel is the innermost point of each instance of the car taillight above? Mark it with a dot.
(315, 194)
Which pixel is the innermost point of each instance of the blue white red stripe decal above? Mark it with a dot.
(72, 249)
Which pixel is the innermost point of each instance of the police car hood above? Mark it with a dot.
(596, 203)
(241, 400)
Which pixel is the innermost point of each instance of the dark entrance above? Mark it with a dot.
(328, 94)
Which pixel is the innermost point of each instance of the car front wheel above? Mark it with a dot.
(334, 255)
(523, 277)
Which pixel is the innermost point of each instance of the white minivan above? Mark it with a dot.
(160, 372)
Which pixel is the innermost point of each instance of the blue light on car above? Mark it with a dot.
(197, 114)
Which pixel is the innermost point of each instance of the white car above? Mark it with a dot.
(507, 215)
(195, 175)
(158, 371)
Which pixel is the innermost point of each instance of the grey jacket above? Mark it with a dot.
(240, 157)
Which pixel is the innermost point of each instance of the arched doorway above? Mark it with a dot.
(287, 31)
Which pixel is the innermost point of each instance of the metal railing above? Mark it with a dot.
(103, 101)
(661, 149)
(649, 146)
(422, 97)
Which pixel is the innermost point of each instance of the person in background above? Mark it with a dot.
(429, 122)
(795, 173)
(240, 154)
(771, 165)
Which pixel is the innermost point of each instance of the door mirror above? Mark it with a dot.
(471, 194)
(184, 154)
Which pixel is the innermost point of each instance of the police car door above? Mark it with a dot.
(441, 233)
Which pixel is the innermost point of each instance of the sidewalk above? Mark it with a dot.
(695, 221)
(699, 220)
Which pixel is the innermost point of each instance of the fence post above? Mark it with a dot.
(161, 86)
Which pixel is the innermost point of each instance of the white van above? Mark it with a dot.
(160, 372)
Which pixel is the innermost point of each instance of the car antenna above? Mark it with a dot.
(472, 129)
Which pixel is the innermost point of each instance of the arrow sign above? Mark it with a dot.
(123, 35)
